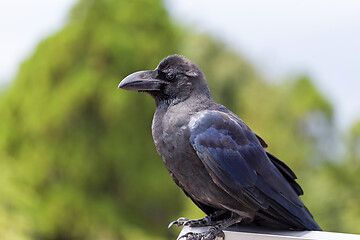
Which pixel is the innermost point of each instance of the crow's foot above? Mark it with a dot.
(212, 234)
(206, 221)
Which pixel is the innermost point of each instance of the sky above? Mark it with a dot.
(320, 38)
(23, 24)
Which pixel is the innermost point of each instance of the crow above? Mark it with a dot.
(214, 157)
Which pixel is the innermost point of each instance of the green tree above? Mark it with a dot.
(77, 159)
(339, 182)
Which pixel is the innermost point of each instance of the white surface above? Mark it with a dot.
(246, 233)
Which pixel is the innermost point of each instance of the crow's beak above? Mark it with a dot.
(141, 81)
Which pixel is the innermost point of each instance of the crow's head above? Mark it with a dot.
(174, 80)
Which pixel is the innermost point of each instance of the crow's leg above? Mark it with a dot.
(209, 220)
(214, 231)
(206, 221)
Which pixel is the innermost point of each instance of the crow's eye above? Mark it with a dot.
(170, 76)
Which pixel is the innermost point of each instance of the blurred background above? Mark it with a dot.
(77, 160)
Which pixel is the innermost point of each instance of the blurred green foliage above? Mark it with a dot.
(77, 159)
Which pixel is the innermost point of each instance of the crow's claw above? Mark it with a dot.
(179, 222)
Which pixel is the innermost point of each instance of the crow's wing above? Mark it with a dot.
(237, 163)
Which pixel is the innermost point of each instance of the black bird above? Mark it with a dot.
(214, 157)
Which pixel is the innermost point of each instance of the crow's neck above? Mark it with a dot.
(190, 105)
